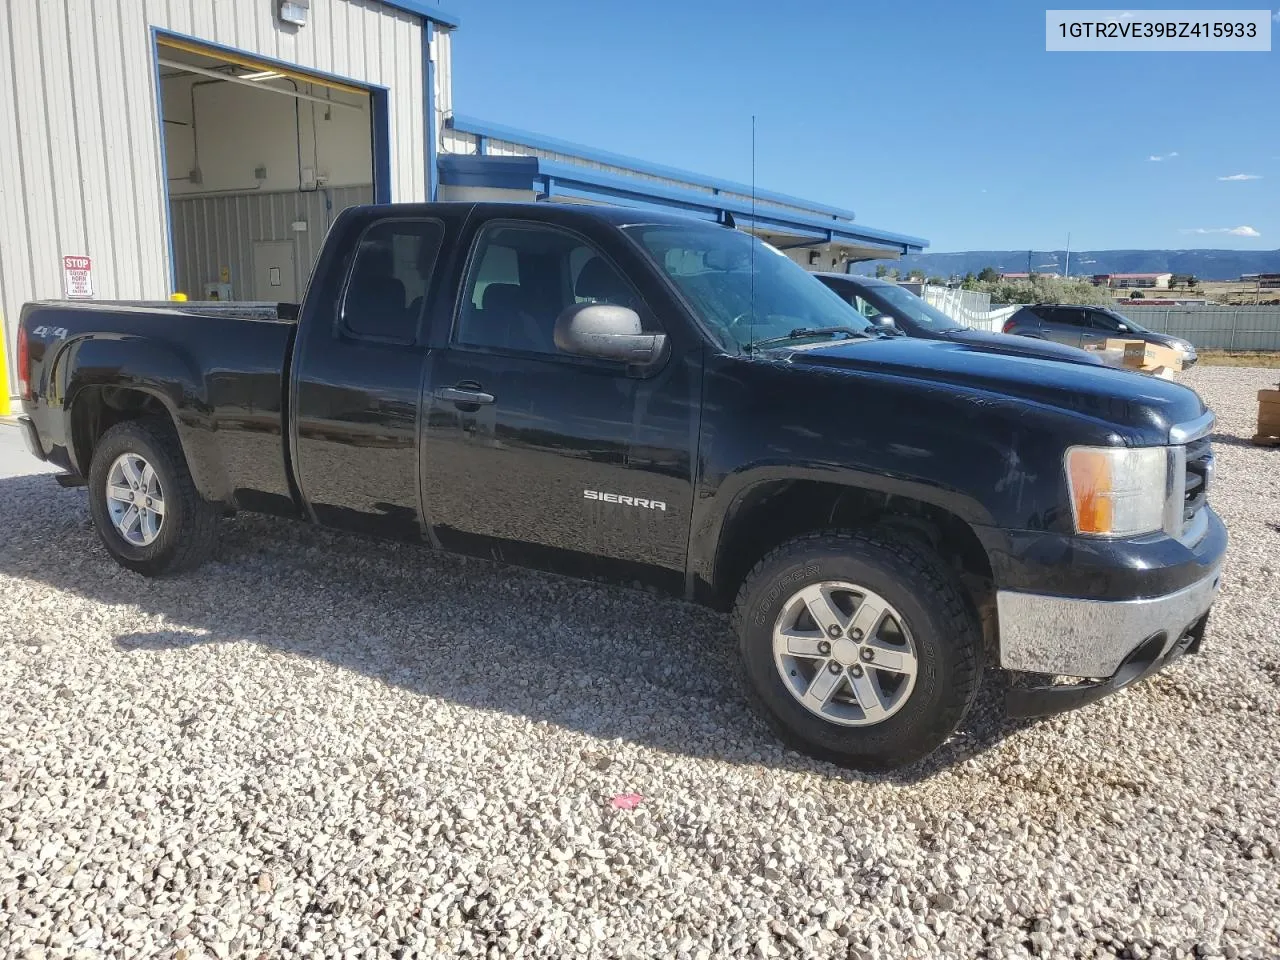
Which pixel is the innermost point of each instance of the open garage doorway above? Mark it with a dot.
(260, 157)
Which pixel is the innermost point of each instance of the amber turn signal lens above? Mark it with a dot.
(1117, 491)
(1090, 472)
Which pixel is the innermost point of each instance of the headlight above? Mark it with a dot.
(1117, 491)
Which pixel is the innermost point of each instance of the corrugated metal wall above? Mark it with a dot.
(79, 124)
(1213, 326)
(210, 233)
(1207, 327)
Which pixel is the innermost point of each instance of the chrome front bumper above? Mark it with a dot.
(1068, 636)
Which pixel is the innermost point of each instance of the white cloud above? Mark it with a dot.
(1241, 231)
(1158, 157)
(1242, 176)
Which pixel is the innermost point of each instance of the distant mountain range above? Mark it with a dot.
(1203, 264)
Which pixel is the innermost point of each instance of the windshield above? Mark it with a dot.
(777, 302)
(906, 303)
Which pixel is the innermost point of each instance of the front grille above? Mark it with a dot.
(1199, 474)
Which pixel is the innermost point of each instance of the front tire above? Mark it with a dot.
(144, 503)
(860, 649)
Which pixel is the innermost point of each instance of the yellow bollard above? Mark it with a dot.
(5, 409)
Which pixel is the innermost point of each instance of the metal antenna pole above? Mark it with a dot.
(752, 327)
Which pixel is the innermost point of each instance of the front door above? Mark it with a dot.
(1100, 327)
(534, 456)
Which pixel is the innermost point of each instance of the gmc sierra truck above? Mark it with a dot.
(667, 403)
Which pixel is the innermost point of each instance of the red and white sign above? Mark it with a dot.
(77, 278)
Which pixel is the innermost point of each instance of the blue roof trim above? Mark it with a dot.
(483, 128)
(425, 10)
(552, 178)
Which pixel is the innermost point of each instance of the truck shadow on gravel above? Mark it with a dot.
(603, 661)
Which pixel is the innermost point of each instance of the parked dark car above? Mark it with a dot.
(898, 310)
(1085, 326)
(648, 399)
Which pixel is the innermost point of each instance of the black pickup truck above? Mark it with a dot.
(669, 403)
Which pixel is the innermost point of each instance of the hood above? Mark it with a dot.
(1162, 339)
(1020, 346)
(1119, 398)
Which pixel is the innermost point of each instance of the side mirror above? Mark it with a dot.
(884, 321)
(1121, 328)
(607, 331)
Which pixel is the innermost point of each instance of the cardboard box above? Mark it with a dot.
(1268, 434)
(1151, 356)
(1118, 343)
(1269, 412)
(1148, 357)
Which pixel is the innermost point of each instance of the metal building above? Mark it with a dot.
(102, 103)
(202, 147)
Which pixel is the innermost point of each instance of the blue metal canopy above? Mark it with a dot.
(554, 179)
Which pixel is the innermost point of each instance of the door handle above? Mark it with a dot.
(465, 395)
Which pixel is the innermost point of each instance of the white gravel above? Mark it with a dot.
(325, 746)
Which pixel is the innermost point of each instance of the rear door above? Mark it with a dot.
(1062, 325)
(358, 368)
(534, 456)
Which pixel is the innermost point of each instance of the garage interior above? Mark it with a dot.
(259, 159)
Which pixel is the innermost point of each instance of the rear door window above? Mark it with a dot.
(389, 280)
(1068, 318)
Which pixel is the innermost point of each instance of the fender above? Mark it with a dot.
(160, 370)
(713, 514)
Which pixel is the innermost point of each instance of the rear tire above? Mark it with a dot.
(144, 503)
(872, 700)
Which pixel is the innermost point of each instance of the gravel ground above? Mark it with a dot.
(324, 746)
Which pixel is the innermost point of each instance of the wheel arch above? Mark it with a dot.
(767, 513)
(94, 408)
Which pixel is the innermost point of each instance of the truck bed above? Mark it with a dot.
(220, 369)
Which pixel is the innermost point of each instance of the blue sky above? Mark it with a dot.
(941, 119)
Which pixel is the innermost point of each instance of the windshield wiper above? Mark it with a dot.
(800, 333)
